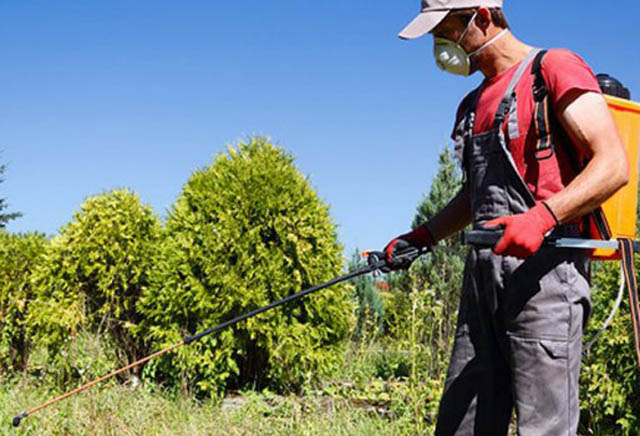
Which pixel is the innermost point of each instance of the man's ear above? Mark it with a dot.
(483, 19)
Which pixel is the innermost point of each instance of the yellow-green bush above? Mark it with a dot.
(93, 273)
(245, 231)
(610, 380)
(19, 255)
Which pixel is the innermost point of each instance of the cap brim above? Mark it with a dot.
(424, 23)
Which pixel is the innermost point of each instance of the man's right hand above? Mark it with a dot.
(419, 238)
(394, 247)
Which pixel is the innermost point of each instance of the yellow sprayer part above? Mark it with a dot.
(620, 209)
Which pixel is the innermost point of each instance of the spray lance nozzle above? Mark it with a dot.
(18, 418)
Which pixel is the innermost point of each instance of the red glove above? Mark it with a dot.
(524, 233)
(420, 237)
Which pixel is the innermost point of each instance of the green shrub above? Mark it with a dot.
(610, 381)
(244, 232)
(93, 274)
(19, 255)
(82, 357)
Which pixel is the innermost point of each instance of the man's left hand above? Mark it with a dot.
(523, 233)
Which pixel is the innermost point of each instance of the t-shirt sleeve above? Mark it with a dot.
(565, 71)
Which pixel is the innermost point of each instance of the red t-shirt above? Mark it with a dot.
(563, 71)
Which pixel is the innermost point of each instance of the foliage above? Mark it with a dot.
(83, 357)
(5, 217)
(610, 383)
(19, 255)
(406, 368)
(422, 307)
(370, 309)
(416, 323)
(444, 186)
(244, 232)
(442, 270)
(93, 274)
(393, 380)
(144, 410)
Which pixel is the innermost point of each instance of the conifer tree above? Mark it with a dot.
(435, 279)
(93, 273)
(370, 309)
(445, 185)
(5, 217)
(442, 270)
(247, 230)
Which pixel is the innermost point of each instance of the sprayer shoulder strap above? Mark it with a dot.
(628, 268)
(543, 119)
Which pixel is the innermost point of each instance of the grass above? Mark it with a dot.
(373, 396)
(121, 410)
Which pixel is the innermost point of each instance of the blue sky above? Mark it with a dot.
(99, 95)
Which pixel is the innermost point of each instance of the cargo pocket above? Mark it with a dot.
(541, 385)
(556, 349)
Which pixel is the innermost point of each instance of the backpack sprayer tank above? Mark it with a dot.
(620, 210)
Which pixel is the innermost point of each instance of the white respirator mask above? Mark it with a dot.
(452, 58)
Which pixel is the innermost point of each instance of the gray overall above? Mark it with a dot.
(519, 333)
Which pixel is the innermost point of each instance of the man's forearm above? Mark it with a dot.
(595, 184)
(454, 217)
(588, 121)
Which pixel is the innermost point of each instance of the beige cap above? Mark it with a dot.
(434, 11)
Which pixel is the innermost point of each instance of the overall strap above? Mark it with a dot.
(464, 128)
(471, 114)
(508, 99)
(541, 123)
(509, 95)
(505, 102)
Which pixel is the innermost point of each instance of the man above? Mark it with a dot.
(537, 159)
